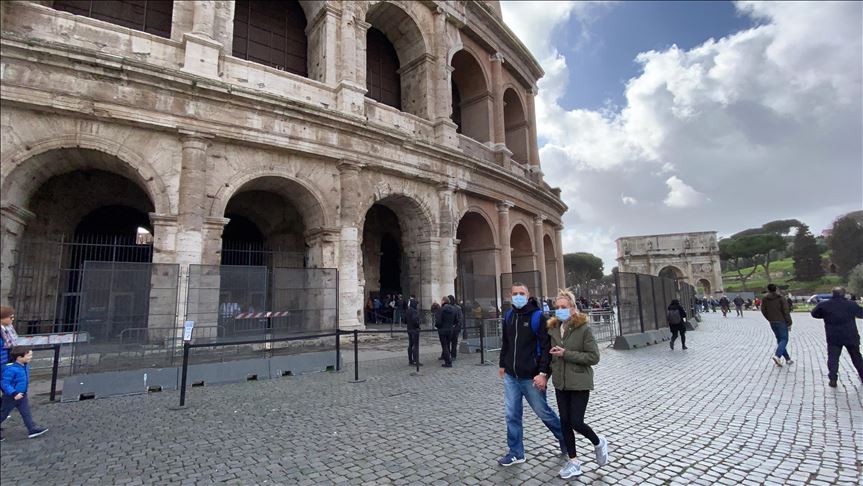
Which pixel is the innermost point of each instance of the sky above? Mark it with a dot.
(668, 117)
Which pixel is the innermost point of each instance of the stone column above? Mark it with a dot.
(193, 193)
(445, 128)
(323, 36)
(447, 267)
(502, 155)
(503, 232)
(13, 222)
(561, 270)
(202, 51)
(539, 253)
(213, 228)
(164, 237)
(533, 148)
(351, 71)
(350, 293)
(322, 244)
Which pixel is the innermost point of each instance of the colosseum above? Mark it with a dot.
(162, 160)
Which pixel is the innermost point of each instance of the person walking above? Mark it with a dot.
(841, 330)
(457, 327)
(7, 331)
(412, 322)
(775, 309)
(15, 383)
(525, 364)
(676, 317)
(444, 324)
(573, 354)
(724, 305)
(738, 305)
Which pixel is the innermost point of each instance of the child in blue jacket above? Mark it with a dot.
(15, 381)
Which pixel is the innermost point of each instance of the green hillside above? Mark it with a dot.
(782, 274)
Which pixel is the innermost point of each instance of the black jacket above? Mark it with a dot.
(446, 319)
(518, 344)
(459, 318)
(839, 325)
(679, 309)
(412, 319)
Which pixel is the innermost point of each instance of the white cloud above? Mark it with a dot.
(762, 120)
(681, 195)
(629, 201)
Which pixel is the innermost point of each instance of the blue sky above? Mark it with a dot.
(603, 63)
(666, 117)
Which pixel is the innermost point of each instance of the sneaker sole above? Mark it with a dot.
(571, 475)
(37, 434)
(517, 461)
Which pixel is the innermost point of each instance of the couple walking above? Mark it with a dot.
(533, 348)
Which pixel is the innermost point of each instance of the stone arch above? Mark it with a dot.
(26, 170)
(471, 97)
(476, 248)
(402, 30)
(413, 210)
(672, 272)
(522, 249)
(304, 194)
(516, 125)
(550, 266)
(492, 222)
(705, 287)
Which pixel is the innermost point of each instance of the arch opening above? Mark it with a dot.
(515, 126)
(550, 267)
(522, 250)
(471, 100)
(151, 16)
(704, 287)
(672, 272)
(476, 271)
(272, 33)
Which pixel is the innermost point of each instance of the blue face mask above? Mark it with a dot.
(563, 314)
(519, 301)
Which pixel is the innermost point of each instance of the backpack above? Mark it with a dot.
(534, 326)
(449, 315)
(673, 316)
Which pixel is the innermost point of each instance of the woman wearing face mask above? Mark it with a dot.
(574, 352)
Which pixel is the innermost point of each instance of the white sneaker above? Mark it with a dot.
(571, 469)
(777, 361)
(789, 361)
(601, 451)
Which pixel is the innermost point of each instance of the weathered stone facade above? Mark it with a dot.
(98, 115)
(691, 257)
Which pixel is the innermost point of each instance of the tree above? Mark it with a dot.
(581, 267)
(757, 247)
(846, 244)
(855, 280)
(807, 257)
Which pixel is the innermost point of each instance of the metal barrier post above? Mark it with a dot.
(357, 357)
(481, 343)
(338, 350)
(186, 347)
(54, 368)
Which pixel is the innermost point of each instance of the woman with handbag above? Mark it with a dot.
(574, 352)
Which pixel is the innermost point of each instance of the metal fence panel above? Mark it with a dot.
(129, 312)
(629, 310)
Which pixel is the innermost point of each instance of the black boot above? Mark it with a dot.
(672, 343)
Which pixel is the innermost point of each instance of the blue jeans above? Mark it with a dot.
(23, 406)
(514, 390)
(780, 330)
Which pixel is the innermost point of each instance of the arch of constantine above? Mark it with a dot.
(394, 141)
(690, 257)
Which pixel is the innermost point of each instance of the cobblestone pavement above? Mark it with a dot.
(719, 413)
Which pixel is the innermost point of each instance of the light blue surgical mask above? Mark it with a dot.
(563, 314)
(519, 301)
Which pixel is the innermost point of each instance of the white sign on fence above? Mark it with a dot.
(187, 330)
(58, 338)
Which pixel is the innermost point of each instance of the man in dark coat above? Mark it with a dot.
(841, 330)
(444, 322)
(457, 327)
(412, 320)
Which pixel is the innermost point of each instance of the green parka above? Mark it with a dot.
(574, 370)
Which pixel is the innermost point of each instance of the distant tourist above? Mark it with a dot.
(725, 305)
(775, 309)
(574, 352)
(412, 320)
(7, 330)
(738, 305)
(676, 317)
(525, 364)
(15, 383)
(445, 322)
(841, 330)
(457, 327)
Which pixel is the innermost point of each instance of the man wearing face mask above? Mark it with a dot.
(525, 367)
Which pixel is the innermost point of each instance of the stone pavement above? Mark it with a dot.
(719, 413)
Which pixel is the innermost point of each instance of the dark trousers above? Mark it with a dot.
(413, 346)
(678, 329)
(572, 405)
(445, 347)
(23, 406)
(833, 353)
(453, 343)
